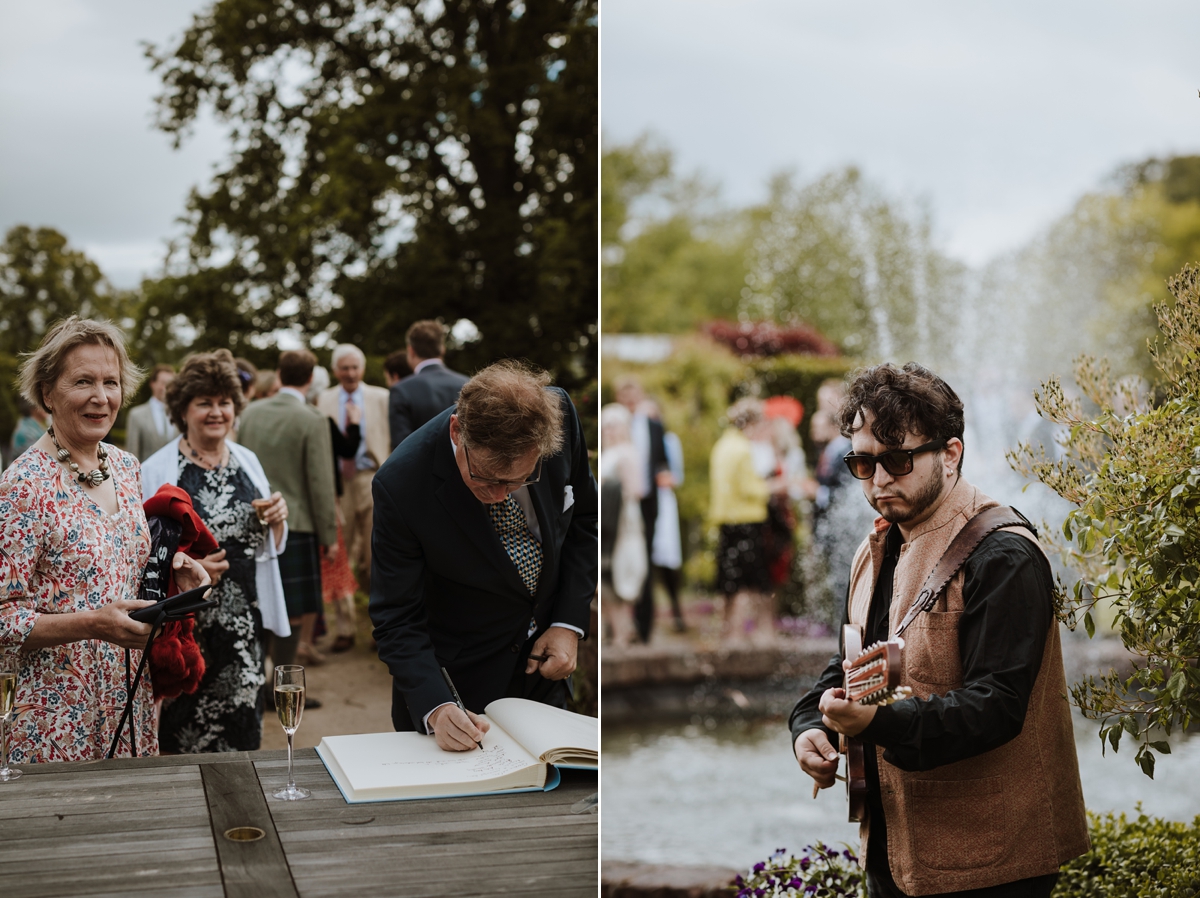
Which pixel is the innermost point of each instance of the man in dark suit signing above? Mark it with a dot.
(484, 554)
(430, 389)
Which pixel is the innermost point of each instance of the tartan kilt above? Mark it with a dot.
(300, 571)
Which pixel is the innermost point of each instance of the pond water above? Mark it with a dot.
(732, 793)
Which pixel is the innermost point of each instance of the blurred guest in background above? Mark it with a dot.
(266, 385)
(29, 429)
(338, 583)
(73, 544)
(148, 427)
(647, 436)
(231, 495)
(666, 553)
(431, 389)
(395, 369)
(248, 375)
(738, 506)
(291, 439)
(369, 404)
(623, 561)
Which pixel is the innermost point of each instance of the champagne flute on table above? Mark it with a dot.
(289, 703)
(8, 697)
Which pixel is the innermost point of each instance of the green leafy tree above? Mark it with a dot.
(42, 280)
(1132, 469)
(670, 260)
(391, 160)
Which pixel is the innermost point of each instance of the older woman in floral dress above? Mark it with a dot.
(73, 546)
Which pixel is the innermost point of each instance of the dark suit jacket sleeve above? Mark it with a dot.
(318, 466)
(398, 612)
(345, 445)
(579, 566)
(399, 415)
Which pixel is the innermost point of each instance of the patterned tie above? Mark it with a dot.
(522, 548)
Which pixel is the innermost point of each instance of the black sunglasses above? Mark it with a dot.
(896, 462)
(489, 481)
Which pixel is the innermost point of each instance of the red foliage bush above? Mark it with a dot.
(766, 338)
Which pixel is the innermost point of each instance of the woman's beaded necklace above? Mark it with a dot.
(91, 478)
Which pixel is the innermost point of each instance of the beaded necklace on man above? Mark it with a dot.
(91, 478)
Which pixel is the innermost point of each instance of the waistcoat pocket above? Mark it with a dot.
(931, 649)
(955, 824)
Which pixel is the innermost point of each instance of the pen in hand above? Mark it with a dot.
(458, 699)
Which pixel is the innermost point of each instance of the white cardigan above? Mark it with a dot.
(163, 467)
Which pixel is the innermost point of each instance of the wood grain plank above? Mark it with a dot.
(248, 869)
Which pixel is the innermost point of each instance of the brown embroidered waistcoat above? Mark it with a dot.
(1008, 814)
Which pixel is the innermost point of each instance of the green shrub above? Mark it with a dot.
(1135, 859)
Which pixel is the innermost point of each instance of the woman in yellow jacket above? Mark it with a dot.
(738, 505)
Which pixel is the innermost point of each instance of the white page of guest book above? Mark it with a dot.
(393, 766)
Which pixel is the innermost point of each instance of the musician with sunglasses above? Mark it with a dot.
(973, 782)
(485, 554)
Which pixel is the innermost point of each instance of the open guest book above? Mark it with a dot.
(526, 743)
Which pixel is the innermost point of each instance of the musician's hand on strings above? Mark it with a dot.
(817, 757)
(841, 716)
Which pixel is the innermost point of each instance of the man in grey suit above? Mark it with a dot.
(430, 389)
(148, 427)
(291, 439)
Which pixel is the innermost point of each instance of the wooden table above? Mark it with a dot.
(155, 827)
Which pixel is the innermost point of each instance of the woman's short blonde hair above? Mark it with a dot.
(42, 368)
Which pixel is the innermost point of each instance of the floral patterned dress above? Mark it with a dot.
(63, 553)
(225, 713)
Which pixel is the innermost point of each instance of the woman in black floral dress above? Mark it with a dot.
(224, 481)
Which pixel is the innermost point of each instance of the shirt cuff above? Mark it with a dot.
(425, 719)
(574, 630)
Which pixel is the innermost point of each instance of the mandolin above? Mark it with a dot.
(873, 679)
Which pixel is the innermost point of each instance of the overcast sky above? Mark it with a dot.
(999, 114)
(77, 148)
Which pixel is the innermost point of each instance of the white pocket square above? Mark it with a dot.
(568, 498)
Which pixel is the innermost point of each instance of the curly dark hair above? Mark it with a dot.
(204, 374)
(904, 400)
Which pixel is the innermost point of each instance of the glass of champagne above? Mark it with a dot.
(289, 702)
(8, 696)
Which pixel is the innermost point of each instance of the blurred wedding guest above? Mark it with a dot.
(338, 583)
(840, 517)
(738, 506)
(666, 549)
(370, 405)
(647, 436)
(291, 439)
(430, 389)
(29, 429)
(396, 368)
(148, 427)
(248, 375)
(231, 495)
(74, 542)
(623, 561)
(266, 385)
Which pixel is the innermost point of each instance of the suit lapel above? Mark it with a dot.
(471, 517)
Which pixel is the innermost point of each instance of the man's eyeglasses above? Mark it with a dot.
(896, 462)
(491, 481)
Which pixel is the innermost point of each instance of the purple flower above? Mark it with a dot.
(759, 867)
(795, 883)
(811, 888)
(738, 881)
(805, 863)
(849, 855)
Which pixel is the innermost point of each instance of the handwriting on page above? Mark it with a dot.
(481, 763)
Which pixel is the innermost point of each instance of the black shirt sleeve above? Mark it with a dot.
(1008, 610)
(805, 715)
